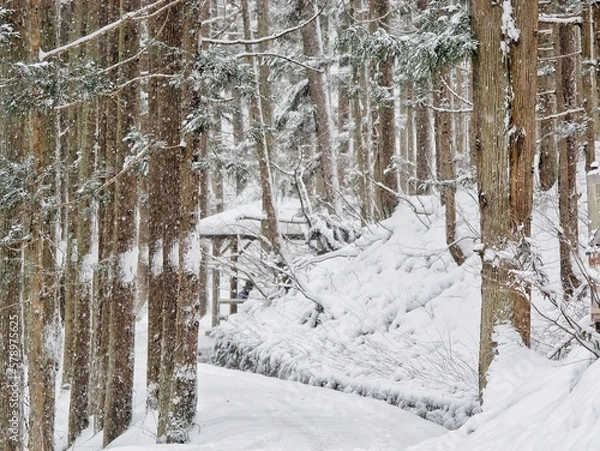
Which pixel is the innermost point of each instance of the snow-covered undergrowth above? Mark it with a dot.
(400, 320)
(532, 404)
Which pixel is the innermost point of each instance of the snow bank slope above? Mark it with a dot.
(400, 321)
(532, 404)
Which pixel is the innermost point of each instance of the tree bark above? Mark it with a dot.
(79, 410)
(261, 118)
(547, 166)
(43, 337)
(119, 388)
(168, 128)
(500, 122)
(384, 122)
(567, 156)
(588, 85)
(522, 146)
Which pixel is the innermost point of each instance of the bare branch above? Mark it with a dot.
(560, 19)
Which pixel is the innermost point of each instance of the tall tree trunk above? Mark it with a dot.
(79, 410)
(43, 308)
(164, 100)
(407, 174)
(119, 388)
(384, 122)
(183, 397)
(567, 156)
(168, 127)
(500, 122)
(423, 135)
(103, 277)
(12, 148)
(261, 117)
(317, 94)
(522, 145)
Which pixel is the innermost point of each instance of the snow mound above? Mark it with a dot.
(400, 320)
(532, 404)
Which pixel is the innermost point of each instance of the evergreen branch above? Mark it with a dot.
(269, 38)
(125, 18)
(277, 55)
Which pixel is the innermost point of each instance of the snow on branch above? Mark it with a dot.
(134, 15)
(560, 19)
(277, 55)
(265, 38)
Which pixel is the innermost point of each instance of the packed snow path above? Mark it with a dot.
(243, 411)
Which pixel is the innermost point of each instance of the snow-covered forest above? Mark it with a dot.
(385, 209)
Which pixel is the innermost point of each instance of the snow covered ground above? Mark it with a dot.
(240, 411)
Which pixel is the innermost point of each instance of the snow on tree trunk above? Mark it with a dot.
(119, 386)
(502, 126)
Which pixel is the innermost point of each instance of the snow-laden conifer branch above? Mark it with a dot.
(134, 15)
(278, 55)
(271, 37)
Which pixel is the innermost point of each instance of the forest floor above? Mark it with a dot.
(243, 411)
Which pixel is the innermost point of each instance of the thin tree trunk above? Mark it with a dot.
(103, 278)
(567, 157)
(588, 84)
(547, 166)
(423, 137)
(261, 118)
(445, 166)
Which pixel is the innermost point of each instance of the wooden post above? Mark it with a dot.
(233, 280)
(216, 282)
